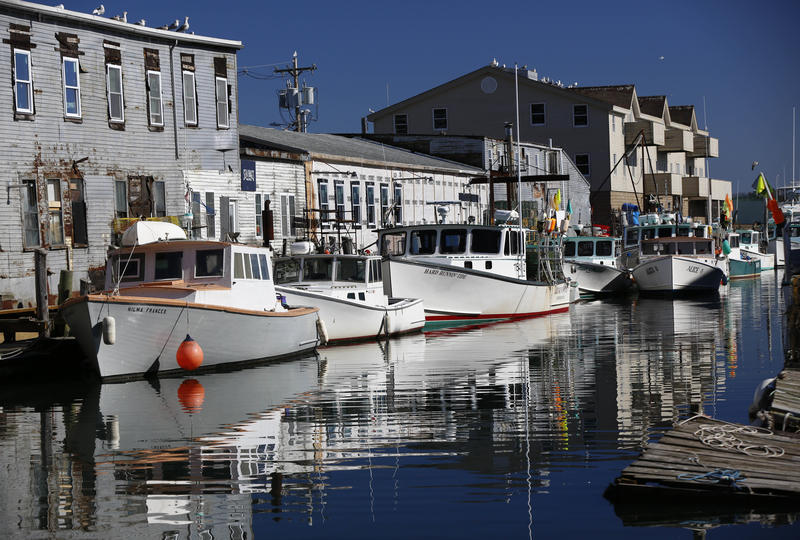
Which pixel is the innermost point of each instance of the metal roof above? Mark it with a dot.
(332, 147)
(115, 25)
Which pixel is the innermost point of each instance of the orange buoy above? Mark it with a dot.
(191, 395)
(189, 354)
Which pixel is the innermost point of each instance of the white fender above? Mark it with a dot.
(322, 332)
(109, 330)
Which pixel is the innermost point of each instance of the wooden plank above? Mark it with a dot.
(749, 481)
(750, 473)
(786, 471)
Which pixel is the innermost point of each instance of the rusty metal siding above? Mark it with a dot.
(47, 145)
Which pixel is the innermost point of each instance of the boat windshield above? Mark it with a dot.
(683, 230)
(352, 270)
(569, 249)
(794, 232)
(631, 237)
(423, 242)
(604, 248)
(287, 271)
(585, 248)
(733, 241)
(647, 234)
(453, 241)
(209, 263)
(485, 241)
(169, 265)
(746, 238)
(318, 269)
(665, 232)
(702, 247)
(393, 243)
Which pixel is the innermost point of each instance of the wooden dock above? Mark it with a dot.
(785, 408)
(714, 460)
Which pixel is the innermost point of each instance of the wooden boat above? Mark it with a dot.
(159, 292)
(472, 272)
(348, 290)
(593, 261)
(741, 265)
(750, 246)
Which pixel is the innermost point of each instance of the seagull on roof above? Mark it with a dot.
(99, 10)
(121, 18)
(175, 25)
(185, 26)
(141, 22)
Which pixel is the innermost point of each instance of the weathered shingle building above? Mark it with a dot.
(105, 120)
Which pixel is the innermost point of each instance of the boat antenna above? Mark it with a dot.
(519, 173)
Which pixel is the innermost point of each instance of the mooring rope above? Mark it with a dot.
(717, 476)
(724, 437)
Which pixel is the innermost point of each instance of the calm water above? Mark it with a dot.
(511, 429)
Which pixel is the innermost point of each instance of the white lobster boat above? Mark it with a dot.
(593, 261)
(348, 290)
(163, 290)
(471, 272)
(750, 246)
(679, 265)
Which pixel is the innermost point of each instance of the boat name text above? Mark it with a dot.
(445, 273)
(142, 309)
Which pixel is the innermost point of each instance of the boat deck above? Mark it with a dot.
(702, 457)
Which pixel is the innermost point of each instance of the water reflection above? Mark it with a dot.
(516, 416)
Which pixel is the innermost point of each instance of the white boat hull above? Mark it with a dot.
(596, 278)
(455, 293)
(767, 259)
(352, 319)
(148, 332)
(671, 274)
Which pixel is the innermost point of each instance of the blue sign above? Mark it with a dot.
(468, 197)
(248, 175)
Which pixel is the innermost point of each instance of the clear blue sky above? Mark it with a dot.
(742, 56)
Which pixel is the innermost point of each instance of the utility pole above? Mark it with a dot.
(295, 72)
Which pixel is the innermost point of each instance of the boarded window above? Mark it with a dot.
(80, 233)
(55, 213)
(30, 213)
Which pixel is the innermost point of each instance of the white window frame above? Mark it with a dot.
(186, 99)
(339, 202)
(111, 118)
(76, 88)
(384, 208)
(575, 115)
(355, 204)
(370, 203)
(151, 99)
(223, 101)
(28, 82)
(288, 214)
(544, 114)
(30, 211)
(398, 202)
(394, 121)
(446, 118)
(324, 215)
(588, 164)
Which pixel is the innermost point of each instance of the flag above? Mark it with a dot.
(728, 203)
(557, 199)
(761, 186)
(569, 207)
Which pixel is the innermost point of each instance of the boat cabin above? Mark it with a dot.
(598, 249)
(355, 277)
(678, 246)
(634, 235)
(478, 247)
(750, 239)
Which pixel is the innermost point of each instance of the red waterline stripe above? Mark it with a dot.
(494, 316)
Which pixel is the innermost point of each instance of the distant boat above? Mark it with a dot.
(162, 287)
(593, 261)
(741, 265)
(348, 290)
(750, 246)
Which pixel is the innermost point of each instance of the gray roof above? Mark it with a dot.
(323, 145)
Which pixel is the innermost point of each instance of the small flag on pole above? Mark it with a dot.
(557, 199)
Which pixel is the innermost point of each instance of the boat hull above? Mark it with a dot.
(767, 260)
(743, 269)
(671, 274)
(351, 319)
(596, 278)
(148, 332)
(456, 293)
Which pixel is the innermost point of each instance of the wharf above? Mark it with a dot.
(712, 460)
(785, 409)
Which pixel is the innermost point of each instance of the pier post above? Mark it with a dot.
(64, 292)
(42, 307)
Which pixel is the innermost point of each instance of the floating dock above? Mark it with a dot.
(703, 458)
(785, 408)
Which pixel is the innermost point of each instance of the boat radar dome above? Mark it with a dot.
(147, 232)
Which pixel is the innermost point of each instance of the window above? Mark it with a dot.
(238, 266)
(370, 204)
(209, 263)
(287, 215)
(159, 199)
(585, 248)
(130, 267)
(287, 271)
(453, 241)
(23, 82)
(401, 124)
(169, 265)
(30, 213)
(154, 98)
(423, 242)
(352, 270)
(262, 261)
(72, 88)
(80, 234)
(631, 237)
(211, 229)
(538, 117)
(116, 104)
(355, 202)
(393, 244)
(255, 266)
(317, 269)
(439, 118)
(384, 203)
(121, 198)
(323, 203)
(375, 271)
(665, 232)
(222, 102)
(259, 220)
(603, 248)
(569, 249)
(580, 115)
(485, 241)
(338, 195)
(582, 164)
(189, 99)
(398, 202)
(512, 243)
(55, 214)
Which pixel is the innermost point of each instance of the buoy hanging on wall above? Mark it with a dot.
(189, 354)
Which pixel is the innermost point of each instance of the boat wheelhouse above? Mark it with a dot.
(741, 265)
(634, 236)
(751, 244)
(348, 290)
(220, 293)
(679, 264)
(472, 272)
(594, 262)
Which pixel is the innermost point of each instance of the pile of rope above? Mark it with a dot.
(723, 436)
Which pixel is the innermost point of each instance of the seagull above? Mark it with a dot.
(185, 26)
(754, 165)
(164, 27)
(121, 18)
(99, 10)
(60, 6)
(175, 25)
(141, 22)
(660, 57)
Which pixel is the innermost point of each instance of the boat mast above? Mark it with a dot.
(519, 176)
